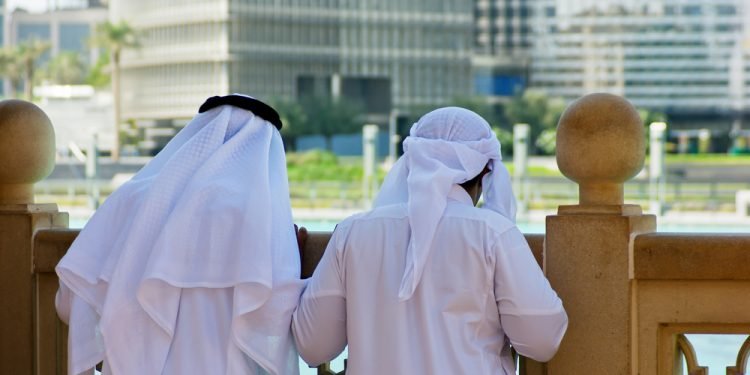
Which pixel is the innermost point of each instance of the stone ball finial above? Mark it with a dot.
(27, 150)
(600, 145)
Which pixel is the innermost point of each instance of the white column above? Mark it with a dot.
(369, 149)
(657, 178)
(336, 86)
(704, 141)
(393, 138)
(92, 166)
(520, 164)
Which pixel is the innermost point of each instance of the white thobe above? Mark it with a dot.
(192, 266)
(480, 292)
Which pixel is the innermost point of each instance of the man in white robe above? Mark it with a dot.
(426, 283)
(191, 267)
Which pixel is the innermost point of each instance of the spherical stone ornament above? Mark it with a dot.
(600, 145)
(27, 150)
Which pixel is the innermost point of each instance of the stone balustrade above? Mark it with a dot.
(631, 293)
(27, 155)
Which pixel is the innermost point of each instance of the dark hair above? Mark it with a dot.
(478, 178)
(253, 105)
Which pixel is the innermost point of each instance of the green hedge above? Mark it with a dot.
(318, 165)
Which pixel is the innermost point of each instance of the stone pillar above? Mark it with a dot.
(92, 172)
(520, 165)
(657, 170)
(369, 158)
(393, 138)
(704, 141)
(683, 142)
(27, 155)
(600, 145)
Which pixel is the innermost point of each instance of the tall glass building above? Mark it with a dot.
(502, 45)
(384, 53)
(689, 58)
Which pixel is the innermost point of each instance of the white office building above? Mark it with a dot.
(688, 58)
(68, 29)
(502, 45)
(385, 54)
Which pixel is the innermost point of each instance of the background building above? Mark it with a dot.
(77, 112)
(502, 45)
(67, 29)
(688, 59)
(385, 54)
(2, 20)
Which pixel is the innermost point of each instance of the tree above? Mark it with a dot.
(97, 76)
(28, 53)
(66, 68)
(648, 116)
(10, 68)
(328, 116)
(481, 107)
(293, 118)
(536, 109)
(115, 37)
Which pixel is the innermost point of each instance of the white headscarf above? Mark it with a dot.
(447, 146)
(209, 211)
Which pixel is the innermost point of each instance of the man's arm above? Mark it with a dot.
(319, 322)
(531, 313)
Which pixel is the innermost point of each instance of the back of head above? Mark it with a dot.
(446, 147)
(452, 124)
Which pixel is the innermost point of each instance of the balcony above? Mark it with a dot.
(631, 293)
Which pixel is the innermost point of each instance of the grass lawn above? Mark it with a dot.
(708, 159)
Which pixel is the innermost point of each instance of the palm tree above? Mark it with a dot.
(10, 68)
(66, 69)
(115, 37)
(28, 53)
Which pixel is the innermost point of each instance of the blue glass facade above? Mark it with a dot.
(28, 31)
(498, 84)
(73, 37)
(343, 144)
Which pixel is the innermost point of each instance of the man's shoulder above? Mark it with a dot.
(480, 217)
(392, 211)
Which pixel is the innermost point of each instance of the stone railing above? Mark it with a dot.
(631, 294)
(50, 333)
(683, 284)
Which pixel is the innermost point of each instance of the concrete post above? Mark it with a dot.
(393, 138)
(27, 155)
(656, 170)
(600, 145)
(704, 141)
(92, 166)
(683, 142)
(369, 148)
(520, 164)
(336, 86)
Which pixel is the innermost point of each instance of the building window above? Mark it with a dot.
(726, 10)
(692, 10)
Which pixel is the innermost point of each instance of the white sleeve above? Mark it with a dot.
(319, 322)
(62, 302)
(531, 313)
